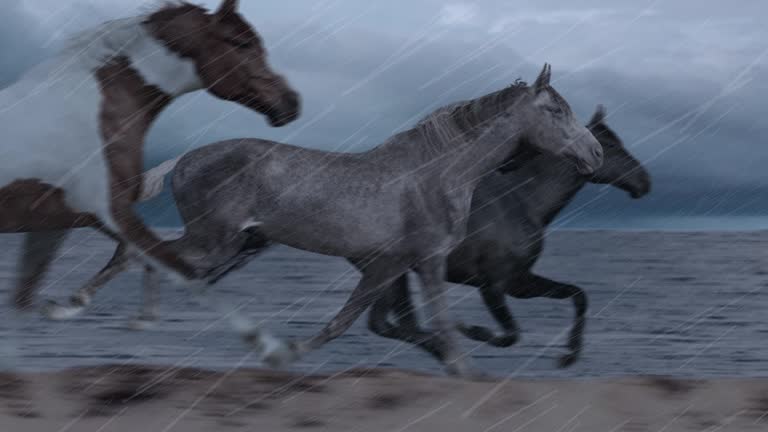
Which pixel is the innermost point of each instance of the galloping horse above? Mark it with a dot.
(510, 215)
(400, 206)
(74, 126)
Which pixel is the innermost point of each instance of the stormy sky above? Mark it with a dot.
(684, 82)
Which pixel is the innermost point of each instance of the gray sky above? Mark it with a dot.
(684, 83)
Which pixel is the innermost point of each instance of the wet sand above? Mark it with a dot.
(156, 399)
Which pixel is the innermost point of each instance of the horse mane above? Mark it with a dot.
(96, 46)
(465, 116)
(602, 130)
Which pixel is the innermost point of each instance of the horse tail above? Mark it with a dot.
(152, 181)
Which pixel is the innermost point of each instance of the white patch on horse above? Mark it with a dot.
(163, 68)
(128, 37)
(52, 135)
(50, 118)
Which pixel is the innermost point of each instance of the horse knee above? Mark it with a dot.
(580, 301)
(334, 329)
(80, 299)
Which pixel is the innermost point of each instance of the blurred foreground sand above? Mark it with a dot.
(155, 399)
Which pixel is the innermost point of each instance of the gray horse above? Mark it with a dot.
(510, 214)
(400, 206)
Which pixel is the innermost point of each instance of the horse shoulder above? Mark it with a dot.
(438, 213)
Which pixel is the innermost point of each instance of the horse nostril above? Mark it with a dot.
(293, 100)
(598, 152)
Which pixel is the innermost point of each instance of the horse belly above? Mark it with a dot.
(338, 237)
(59, 145)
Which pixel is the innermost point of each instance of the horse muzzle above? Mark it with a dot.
(640, 187)
(286, 111)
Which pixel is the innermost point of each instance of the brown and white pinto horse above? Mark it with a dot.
(74, 127)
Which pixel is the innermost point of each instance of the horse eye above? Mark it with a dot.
(242, 44)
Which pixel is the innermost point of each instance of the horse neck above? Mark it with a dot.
(406, 150)
(461, 147)
(136, 75)
(471, 157)
(545, 186)
(129, 41)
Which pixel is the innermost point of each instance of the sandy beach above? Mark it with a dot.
(686, 305)
(157, 399)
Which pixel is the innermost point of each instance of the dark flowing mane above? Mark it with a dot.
(602, 130)
(171, 9)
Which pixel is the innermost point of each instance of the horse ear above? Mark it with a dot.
(227, 7)
(599, 116)
(542, 81)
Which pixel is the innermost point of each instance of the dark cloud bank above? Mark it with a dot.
(706, 165)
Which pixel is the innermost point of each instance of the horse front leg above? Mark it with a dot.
(493, 297)
(397, 300)
(432, 275)
(82, 298)
(376, 277)
(536, 286)
(125, 188)
(38, 250)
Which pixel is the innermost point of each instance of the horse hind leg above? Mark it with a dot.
(376, 277)
(250, 242)
(537, 286)
(398, 302)
(431, 272)
(38, 251)
(82, 298)
(493, 297)
(149, 248)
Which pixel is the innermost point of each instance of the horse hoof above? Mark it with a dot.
(179, 280)
(279, 358)
(478, 376)
(457, 368)
(141, 324)
(478, 333)
(56, 312)
(567, 360)
(275, 352)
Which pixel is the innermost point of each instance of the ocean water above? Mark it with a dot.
(688, 304)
